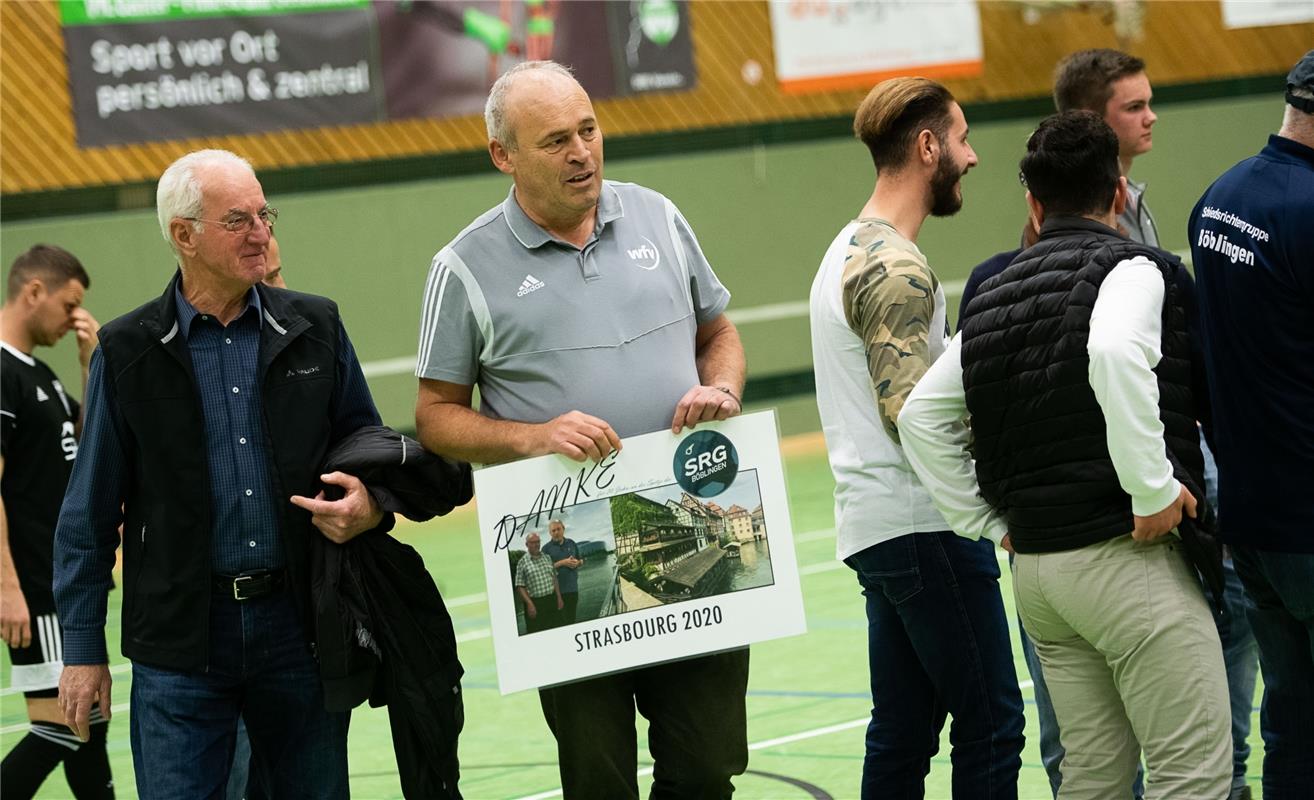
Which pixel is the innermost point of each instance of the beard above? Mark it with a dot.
(946, 199)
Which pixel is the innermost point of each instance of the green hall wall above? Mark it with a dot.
(763, 214)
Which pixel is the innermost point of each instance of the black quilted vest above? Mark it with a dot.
(1039, 434)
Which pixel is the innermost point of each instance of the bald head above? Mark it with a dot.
(516, 88)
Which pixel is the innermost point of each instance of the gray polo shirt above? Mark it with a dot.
(543, 327)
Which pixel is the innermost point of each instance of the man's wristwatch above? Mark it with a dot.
(732, 394)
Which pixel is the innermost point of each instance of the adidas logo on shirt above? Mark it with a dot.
(529, 284)
(41, 395)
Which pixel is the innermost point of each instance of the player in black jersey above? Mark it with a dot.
(39, 425)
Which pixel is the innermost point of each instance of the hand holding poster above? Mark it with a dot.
(675, 546)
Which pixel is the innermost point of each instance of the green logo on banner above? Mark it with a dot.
(659, 20)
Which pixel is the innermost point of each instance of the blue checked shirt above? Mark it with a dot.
(244, 526)
(245, 530)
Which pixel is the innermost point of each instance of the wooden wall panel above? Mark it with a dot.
(1183, 42)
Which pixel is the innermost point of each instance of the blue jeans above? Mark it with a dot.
(184, 724)
(1241, 656)
(937, 642)
(1281, 585)
(241, 771)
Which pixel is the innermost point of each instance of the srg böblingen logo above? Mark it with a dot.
(705, 464)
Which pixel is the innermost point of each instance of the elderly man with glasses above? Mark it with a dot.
(208, 413)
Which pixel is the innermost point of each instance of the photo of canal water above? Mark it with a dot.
(753, 567)
(654, 547)
(597, 581)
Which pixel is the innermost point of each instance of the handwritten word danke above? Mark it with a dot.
(558, 497)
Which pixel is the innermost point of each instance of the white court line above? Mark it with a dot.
(812, 536)
(115, 669)
(470, 636)
(466, 600)
(764, 744)
(402, 365)
(824, 566)
(22, 726)
(812, 734)
(769, 312)
(794, 737)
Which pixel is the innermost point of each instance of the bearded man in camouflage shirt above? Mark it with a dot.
(937, 634)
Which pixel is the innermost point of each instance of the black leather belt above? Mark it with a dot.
(249, 585)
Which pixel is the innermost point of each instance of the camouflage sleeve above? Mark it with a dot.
(889, 301)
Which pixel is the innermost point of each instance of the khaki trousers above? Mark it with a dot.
(1131, 655)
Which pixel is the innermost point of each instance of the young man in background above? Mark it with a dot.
(39, 427)
(937, 633)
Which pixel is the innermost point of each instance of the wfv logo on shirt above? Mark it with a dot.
(646, 255)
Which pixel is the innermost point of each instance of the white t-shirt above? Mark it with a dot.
(877, 494)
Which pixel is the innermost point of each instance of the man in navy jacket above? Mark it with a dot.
(1252, 245)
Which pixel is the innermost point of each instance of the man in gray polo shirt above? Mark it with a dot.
(585, 311)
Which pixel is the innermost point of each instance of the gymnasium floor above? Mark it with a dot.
(807, 701)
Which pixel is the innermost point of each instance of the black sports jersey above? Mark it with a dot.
(37, 439)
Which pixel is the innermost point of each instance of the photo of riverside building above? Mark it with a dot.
(656, 546)
(671, 546)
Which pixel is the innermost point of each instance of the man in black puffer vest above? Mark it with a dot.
(209, 411)
(1075, 367)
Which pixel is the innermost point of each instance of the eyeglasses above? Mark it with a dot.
(242, 222)
(1022, 178)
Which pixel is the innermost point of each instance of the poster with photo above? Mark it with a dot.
(676, 546)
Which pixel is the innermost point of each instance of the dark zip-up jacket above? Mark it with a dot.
(382, 627)
(154, 407)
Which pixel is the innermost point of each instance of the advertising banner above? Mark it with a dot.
(824, 45)
(150, 70)
(191, 72)
(675, 546)
(1258, 13)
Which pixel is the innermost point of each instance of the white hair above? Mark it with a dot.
(179, 191)
(495, 108)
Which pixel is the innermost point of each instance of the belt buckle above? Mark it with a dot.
(237, 583)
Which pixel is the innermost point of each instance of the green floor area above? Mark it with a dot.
(807, 703)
